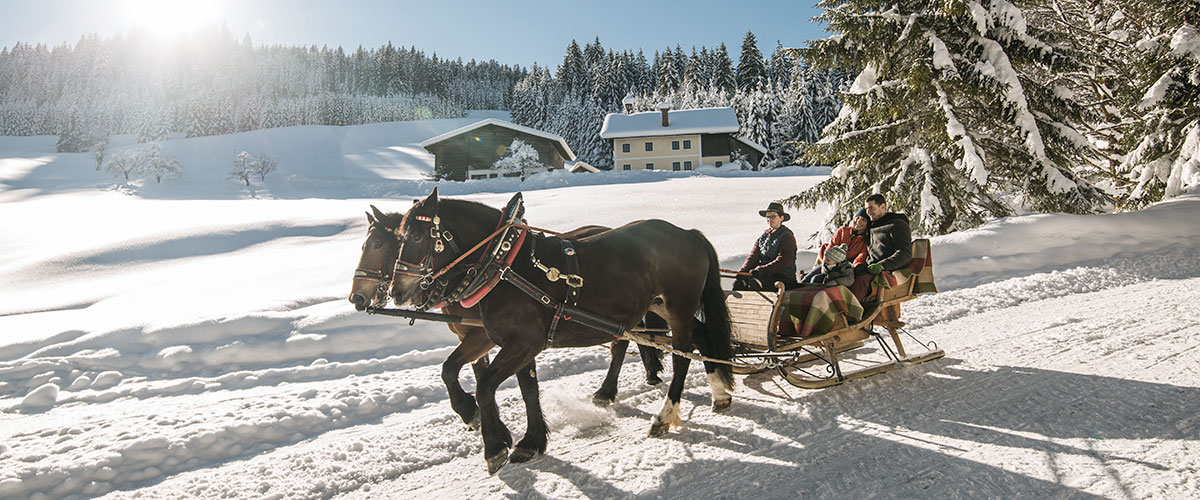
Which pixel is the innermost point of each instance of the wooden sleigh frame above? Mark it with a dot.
(759, 345)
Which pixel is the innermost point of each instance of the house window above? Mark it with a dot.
(687, 165)
(649, 166)
(625, 148)
(675, 165)
(687, 144)
(649, 146)
(626, 167)
(675, 145)
(718, 163)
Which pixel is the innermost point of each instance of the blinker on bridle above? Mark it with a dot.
(424, 269)
(382, 279)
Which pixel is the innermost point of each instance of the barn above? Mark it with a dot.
(469, 152)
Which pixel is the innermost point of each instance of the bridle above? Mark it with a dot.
(382, 276)
(423, 270)
(476, 279)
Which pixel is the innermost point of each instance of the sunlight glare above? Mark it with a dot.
(172, 18)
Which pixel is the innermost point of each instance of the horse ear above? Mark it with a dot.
(370, 219)
(378, 215)
(432, 199)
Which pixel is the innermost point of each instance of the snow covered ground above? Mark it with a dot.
(193, 340)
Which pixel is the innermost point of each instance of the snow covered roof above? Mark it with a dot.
(684, 121)
(566, 150)
(582, 166)
(746, 140)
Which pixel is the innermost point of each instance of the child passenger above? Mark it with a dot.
(854, 239)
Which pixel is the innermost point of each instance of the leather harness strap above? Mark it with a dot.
(572, 298)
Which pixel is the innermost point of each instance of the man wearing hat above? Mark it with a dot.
(773, 257)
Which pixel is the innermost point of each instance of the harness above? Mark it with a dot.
(495, 264)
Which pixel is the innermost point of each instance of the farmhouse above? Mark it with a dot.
(677, 140)
(469, 152)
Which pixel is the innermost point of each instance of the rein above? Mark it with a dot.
(489, 239)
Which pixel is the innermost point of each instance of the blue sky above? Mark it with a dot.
(510, 31)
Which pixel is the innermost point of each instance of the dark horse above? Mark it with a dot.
(626, 272)
(379, 253)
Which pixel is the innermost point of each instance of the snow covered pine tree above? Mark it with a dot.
(945, 117)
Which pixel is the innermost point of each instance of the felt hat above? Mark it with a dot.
(777, 208)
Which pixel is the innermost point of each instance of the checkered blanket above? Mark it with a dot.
(921, 269)
(814, 309)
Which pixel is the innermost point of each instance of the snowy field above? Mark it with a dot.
(193, 340)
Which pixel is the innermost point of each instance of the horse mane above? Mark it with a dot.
(472, 209)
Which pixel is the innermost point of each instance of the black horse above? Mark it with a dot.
(379, 253)
(626, 272)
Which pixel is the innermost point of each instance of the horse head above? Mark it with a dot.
(375, 266)
(434, 234)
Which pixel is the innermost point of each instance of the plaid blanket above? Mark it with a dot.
(813, 309)
(921, 269)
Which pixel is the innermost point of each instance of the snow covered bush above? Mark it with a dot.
(243, 167)
(263, 165)
(521, 158)
(246, 166)
(148, 160)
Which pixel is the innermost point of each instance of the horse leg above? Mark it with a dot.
(534, 442)
(651, 357)
(497, 440)
(608, 390)
(474, 346)
(669, 415)
(720, 387)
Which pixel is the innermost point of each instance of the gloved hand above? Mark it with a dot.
(860, 269)
(875, 268)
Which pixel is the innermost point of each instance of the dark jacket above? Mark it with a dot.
(890, 243)
(774, 254)
(840, 274)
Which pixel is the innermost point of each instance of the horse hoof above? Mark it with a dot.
(653, 380)
(722, 405)
(522, 455)
(659, 428)
(602, 401)
(496, 462)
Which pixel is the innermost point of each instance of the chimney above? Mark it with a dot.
(628, 101)
(665, 107)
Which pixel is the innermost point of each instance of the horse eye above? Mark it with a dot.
(378, 245)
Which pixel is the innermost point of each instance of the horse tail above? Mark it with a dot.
(717, 330)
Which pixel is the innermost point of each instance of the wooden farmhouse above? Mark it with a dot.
(470, 152)
(677, 140)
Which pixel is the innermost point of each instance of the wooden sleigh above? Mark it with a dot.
(765, 336)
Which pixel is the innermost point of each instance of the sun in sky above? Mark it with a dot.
(172, 18)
